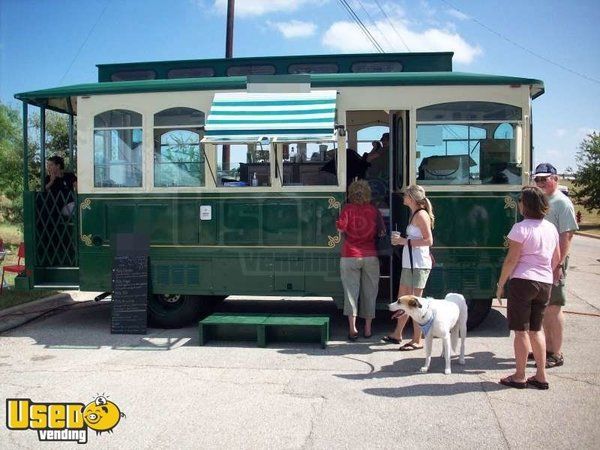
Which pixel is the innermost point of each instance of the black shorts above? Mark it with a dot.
(527, 300)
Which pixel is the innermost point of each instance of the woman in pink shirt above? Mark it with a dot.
(531, 263)
(359, 265)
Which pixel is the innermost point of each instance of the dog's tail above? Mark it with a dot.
(460, 328)
(454, 337)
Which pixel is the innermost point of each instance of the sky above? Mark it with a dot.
(51, 43)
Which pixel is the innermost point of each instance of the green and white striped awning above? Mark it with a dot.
(253, 117)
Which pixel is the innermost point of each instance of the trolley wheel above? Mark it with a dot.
(478, 311)
(177, 310)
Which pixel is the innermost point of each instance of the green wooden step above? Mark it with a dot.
(264, 327)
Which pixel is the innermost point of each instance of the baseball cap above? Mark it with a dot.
(544, 170)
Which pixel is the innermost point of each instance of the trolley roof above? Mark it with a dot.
(63, 99)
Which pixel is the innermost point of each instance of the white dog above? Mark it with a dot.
(438, 318)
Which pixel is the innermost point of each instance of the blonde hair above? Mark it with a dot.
(359, 192)
(417, 193)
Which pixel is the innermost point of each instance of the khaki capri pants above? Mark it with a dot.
(360, 279)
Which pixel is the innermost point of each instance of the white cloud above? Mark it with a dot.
(347, 37)
(249, 8)
(295, 28)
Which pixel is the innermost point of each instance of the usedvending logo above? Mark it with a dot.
(63, 421)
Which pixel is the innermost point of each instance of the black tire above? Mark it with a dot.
(177, 311)
(478, 311)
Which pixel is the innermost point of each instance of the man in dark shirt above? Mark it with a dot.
(56, 179)
(60, 184)
(356, 166)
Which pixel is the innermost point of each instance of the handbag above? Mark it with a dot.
(383, 242)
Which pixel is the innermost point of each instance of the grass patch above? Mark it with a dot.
(10, 297)
(11, 234)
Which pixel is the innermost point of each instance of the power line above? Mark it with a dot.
(375, 23)
(85, 41)
(516, 44)
(361, 25)
(392, 24)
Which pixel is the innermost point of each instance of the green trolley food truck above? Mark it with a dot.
(236, 169)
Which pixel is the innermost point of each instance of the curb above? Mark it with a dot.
(590, 235)
(19, 314)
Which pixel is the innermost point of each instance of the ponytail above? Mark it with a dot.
(417, 193)
(429, 209)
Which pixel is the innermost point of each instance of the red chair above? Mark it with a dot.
(17, 268)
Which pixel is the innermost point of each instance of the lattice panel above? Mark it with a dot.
(55, 230)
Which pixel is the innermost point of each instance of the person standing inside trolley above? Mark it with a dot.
(416, 259)
(60, 184)
(359, 264)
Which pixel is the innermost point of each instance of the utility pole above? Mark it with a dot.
(228, 54)
(229, 37)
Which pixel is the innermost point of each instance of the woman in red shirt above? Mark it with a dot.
(359, 264)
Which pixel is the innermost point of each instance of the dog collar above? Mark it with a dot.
(425, 327)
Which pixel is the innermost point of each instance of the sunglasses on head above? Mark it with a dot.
(540, 179)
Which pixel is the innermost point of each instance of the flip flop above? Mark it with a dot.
(508, 381)
(409, 347)
(352, 337)
(532, 381)
(555, 360)
(390, 340)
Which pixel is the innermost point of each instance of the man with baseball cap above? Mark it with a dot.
(562, 215)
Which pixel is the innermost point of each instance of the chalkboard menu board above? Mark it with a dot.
(130, 284)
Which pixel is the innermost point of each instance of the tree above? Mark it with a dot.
(11, 175)
(587, 177)
(57, 134)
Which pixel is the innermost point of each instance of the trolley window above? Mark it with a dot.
(264, 69)
(245, 124)
(118, 149)
(133, 75)
(191, 72)
(309, 163)
(469, 143)
(247, 165)
(178, 155)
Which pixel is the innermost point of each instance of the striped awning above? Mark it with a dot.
(253, 117)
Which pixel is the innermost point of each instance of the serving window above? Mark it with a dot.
(242, 165)
(468, 143)
(308, 163)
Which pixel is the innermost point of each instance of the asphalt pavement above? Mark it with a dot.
(177, 394)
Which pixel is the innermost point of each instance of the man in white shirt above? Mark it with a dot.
(562, 216)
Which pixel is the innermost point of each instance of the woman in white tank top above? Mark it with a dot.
(413, 280)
